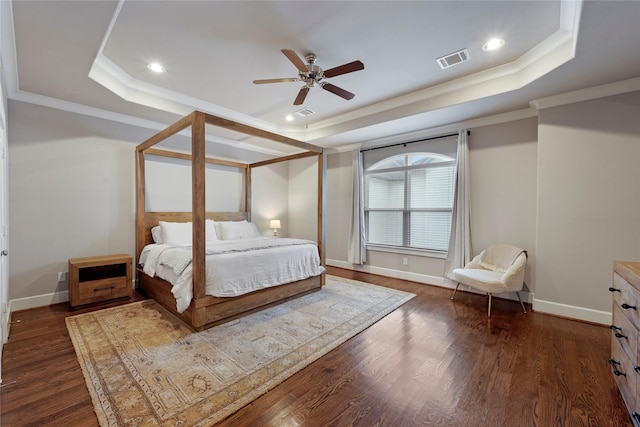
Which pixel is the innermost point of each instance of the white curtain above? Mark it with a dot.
(460, 240)
(357, 248)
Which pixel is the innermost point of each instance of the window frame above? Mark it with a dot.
(406, 210)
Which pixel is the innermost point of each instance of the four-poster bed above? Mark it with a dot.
(205, 310)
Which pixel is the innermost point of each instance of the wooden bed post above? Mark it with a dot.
(140, 204)
(321, 211)
(198, 202)
(247, 192)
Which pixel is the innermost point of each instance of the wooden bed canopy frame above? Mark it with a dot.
(206, 311)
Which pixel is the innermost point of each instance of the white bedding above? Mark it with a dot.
(234, 267)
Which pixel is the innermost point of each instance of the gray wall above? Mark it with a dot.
(563, 186)
(502, 162)
(72, 194)
(588, 202)
(565, 189)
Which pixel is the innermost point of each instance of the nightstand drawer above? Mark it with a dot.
(103, 289)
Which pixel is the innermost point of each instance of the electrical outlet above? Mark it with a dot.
(62, 276)
(405, 261)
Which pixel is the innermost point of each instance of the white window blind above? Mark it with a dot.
(409, 197)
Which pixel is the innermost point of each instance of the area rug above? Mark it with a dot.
(143, 366)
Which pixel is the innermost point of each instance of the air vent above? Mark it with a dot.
(453, 59)
(304, 112)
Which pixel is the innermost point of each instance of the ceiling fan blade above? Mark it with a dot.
(301, 95)
(261, 82)
(295, 59)
(338, 91)
(344, 69)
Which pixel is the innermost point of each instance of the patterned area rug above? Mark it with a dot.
(143, 366)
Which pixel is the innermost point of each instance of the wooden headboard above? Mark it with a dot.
(151, 219)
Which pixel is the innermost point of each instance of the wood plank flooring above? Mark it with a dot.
(432, 362)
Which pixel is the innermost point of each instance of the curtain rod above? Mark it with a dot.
(411, 142)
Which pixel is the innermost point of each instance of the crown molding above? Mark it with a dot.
(594, 92)
(73, 107)
(549, 54)
(495, 119)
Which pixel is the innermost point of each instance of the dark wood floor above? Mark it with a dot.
(432, 362)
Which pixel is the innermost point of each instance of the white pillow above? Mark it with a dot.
(176, 233)
(179, 233)
(238, 230)
(156, 233)
(218, 226)
(210, 230)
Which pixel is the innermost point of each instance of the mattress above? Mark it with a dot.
(233, 267)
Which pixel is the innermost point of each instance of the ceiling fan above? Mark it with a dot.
(311, 74)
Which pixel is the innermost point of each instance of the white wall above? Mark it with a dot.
(588, 203)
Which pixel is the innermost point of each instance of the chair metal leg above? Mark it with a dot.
(521, 303)
(455, 290)
(489, 309)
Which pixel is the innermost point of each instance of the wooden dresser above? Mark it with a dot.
(625, 358)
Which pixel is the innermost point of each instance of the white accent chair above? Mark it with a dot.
(497, 269)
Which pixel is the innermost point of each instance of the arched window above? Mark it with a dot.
(409, 201)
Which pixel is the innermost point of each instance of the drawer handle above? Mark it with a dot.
(104, 288)
(637, 369)
(636, 417)
(614, 290)
(627, 306)
(617, 334)
(613, 364)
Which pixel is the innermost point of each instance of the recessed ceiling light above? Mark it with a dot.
(156, 67)
(289, 117)
(493, 44)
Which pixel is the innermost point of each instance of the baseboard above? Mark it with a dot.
(572, 312)
(37, 301)
(527, 297)
(388, 272)
(5, 329)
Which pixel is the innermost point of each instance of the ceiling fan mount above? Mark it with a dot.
(312, 74)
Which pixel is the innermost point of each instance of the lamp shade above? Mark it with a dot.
(275, 223)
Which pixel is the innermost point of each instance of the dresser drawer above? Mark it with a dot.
(624, 374)
(627, 298)
(624, 333)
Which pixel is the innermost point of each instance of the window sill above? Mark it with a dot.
(407, 251)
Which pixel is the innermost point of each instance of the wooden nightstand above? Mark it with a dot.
(99, 279)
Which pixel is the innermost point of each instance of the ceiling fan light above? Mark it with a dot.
(493, 44)
(156, 67)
